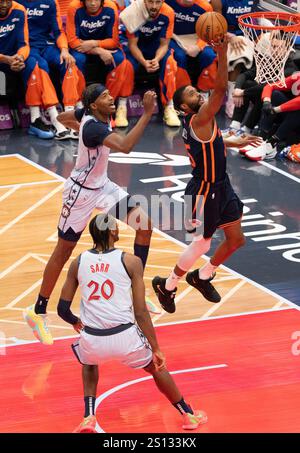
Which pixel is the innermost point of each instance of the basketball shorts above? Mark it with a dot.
(210, 206)
(129, 346)
(79, 204)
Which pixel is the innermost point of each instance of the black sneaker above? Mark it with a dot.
(64, 135)
(204, 286)
(165, 297)
(40, 129)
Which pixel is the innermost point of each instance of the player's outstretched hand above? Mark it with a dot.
(159, 360)
(149, 100)
(247, 140)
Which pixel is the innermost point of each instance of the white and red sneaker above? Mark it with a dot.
(263, 152)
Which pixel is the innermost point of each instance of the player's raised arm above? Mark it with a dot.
(125, 143)
(210, 108)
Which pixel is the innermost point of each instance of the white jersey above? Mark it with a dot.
(106, 298)
(91, 164)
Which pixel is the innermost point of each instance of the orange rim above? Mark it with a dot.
(271, 15)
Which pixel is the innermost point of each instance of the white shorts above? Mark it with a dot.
(130, 347)
(245, 56)
(79, 204)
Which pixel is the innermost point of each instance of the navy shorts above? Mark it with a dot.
(210, 206)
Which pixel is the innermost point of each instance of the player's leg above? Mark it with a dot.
(167, 83)
(31, 75)
(207, 64)
(125, 89)
(78, 204)
(180, 56)
(90, 377)
(166, 385)
(196, 203)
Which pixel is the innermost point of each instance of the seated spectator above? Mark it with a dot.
(247, 91)
(15, 58)
(280, 119)
(49, 46)
(98, 19)
(240, 53)
(149, 47)
(187, 46)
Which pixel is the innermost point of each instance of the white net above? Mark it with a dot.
(271, 45)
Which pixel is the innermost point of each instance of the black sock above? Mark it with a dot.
(273, 140)
(183, 407)
(142, 252)
(89, 405)
(41, 305)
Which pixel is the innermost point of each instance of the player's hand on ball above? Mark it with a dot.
(149, 101)
(221, 45)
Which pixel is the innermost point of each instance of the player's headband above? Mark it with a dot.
(93, 92)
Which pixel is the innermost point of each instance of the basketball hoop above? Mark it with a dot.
(272, 36)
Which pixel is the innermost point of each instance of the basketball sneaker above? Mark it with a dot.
(204, 286)
(88, 425)
(166, 298)
(170, 117)
(38, 324)
(263, 152)
(152, 308)
(192, 421)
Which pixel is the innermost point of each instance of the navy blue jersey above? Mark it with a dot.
(208, 159)
(232, 9)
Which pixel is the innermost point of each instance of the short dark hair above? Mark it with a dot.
(177, 98)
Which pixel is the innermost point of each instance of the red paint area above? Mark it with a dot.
(259, 391)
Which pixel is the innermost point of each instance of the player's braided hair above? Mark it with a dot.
(99, 229)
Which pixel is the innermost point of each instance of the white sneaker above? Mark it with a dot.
(170, 117)
(121, 116)
(262, 152)
(247, 148)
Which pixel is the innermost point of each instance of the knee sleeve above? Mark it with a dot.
(198, 247)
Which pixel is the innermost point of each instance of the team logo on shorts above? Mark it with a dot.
(65, 211)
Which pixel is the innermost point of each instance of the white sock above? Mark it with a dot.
(235, 125)
(170, 104)
(34, 113)
(52, 111)
(172, 281)
(207, 270)
(122, 102)
(68, 108)
(79, 105)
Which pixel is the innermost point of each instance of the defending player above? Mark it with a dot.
(112, 300)
(89, 188)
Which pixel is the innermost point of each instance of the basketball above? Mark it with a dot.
(211, 26)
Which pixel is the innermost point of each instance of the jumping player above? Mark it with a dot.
(213, 199)
(112, 299)
(89, 188)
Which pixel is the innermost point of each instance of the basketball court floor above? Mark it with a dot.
(237, 360)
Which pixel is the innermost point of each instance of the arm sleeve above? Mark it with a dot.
(23, 37)
(79, 114)
(72, 31)
(292, 105)
(268, 90)
(94, 133)
(111, 31)
(56, 24)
